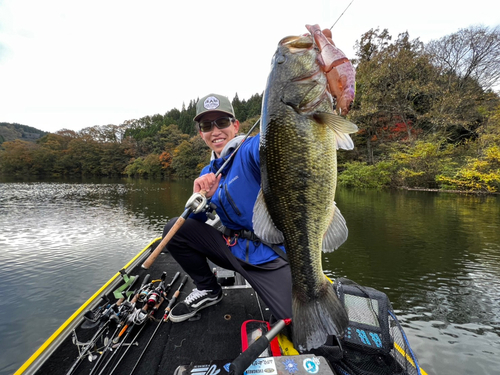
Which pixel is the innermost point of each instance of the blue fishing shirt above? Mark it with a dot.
(235, 198)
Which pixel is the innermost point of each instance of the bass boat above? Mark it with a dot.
(124, 329)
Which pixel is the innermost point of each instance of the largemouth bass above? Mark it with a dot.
(300, 133)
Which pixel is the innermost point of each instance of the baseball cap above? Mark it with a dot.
(213, 102)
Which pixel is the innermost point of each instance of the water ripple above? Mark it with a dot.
(60, 243)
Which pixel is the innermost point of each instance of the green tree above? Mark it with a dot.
(135, 168)
(148, 166)
(253, 106)
(17, 157)
(238, 107)
(419, 165)
(394, 87)
(84, 157)
(190, 157)
(167, 139)
(480, 170)
(114, 158)
(185, 121)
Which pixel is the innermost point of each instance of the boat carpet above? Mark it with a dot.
(214, 334)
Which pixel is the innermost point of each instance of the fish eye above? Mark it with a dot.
(280, 59)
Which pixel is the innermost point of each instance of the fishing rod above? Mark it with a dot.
(342, 14)
(134, 340)
(245, 359)
(107, 344)
(128, 306)
(135, 317)
(164, 293)
(88, 346)
(138, 316)
(164, 319)
(196, 204)
(103, 320)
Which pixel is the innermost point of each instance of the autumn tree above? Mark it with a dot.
(16, 158)
(114, 158)
(473, 52)
(468, 64)
(394, 87)
(190, 157)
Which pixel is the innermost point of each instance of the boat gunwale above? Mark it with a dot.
(42, 353)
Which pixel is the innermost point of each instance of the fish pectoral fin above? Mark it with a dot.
(341, 127)
(337, 123)
(263, 224)
(336, 233)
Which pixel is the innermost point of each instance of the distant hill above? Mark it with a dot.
(10, 132)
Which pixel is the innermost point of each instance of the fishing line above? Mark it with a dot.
(342, 14)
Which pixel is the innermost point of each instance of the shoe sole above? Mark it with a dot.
(181, 318)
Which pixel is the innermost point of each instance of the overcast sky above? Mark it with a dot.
(74, 64)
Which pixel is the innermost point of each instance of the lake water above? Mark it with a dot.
(436, 255)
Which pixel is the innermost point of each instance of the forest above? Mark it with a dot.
(428, 118)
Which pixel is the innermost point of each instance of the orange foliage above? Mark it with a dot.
(165, 159)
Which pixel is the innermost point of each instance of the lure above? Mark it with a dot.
(339, 71)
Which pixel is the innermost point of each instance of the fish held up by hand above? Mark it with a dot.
(300, 134)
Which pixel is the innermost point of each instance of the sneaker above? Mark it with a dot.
(197, 300)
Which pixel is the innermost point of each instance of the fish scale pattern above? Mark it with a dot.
(298, 165)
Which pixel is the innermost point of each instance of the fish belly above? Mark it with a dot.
(299, 180)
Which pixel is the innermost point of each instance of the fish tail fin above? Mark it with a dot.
(314, 321)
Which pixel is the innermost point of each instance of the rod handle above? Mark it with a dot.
(151, 259)
(178, 224)
(245, 359)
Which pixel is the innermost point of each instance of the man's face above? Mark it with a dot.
(217, 138)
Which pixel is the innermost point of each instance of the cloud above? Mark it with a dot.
(79, 64)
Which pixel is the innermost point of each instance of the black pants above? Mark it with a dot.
(195, 241)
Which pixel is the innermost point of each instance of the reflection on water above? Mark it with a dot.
(60, 242)
(437, 256)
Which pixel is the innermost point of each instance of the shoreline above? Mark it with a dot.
(450, 191)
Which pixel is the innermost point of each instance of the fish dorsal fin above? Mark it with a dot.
(340, 126)
(336, 233)
(263, 225)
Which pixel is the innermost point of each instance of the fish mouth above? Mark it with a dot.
(296, 43)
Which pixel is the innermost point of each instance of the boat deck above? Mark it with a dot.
(211, 340)
(214, 334)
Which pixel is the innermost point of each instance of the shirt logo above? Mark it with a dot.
(211, 102)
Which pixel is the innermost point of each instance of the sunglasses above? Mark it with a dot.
(221, 123)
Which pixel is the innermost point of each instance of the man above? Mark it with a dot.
(234, 193)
